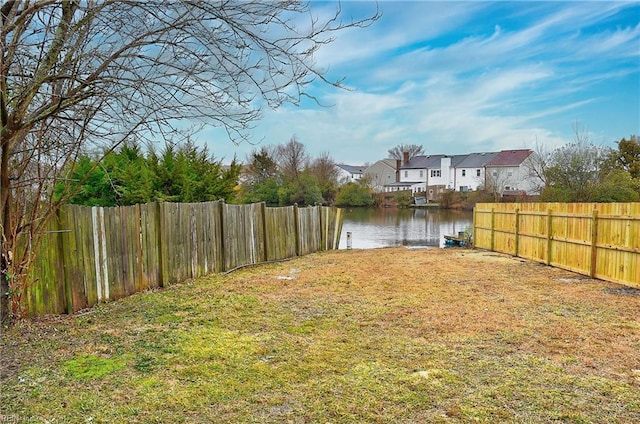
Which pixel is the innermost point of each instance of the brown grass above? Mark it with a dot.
(385, 335)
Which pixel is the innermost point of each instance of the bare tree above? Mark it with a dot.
(537, 166)
(575, 170)
(397, 152)
(292, 158)
(326, 172)
(324, 168)
(495, 181)
(83, 75)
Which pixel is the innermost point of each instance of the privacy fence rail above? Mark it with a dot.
(92, 254)
(601, 240)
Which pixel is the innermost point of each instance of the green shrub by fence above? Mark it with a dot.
(95, 254)
(601, 240)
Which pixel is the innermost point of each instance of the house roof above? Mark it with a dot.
(456, 160)
(510, 158)
(432, 161)
(352, 169)
(423, 162)
(477, 160)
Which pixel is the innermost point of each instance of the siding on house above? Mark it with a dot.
(381, 173)
(508, 170)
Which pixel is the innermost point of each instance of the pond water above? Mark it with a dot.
(415, 227)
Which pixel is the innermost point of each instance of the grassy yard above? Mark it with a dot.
(388, 335)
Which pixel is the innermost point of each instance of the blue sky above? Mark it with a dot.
(462, 77)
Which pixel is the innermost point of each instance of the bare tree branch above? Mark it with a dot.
(77, 76)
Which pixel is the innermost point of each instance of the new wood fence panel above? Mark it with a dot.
(504, 239)
(483, 227)
(532, 233)
(600, 240)
(618, 242)
(280, 233)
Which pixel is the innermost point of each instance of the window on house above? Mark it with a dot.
(477, 172)
(464, 172)
(435, 172)
(509, 174)
(421, 173)
(494, 173)
(406, 174)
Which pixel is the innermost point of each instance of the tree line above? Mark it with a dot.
(283, 174)
(286, 174)
(129, 175)
(582, 171)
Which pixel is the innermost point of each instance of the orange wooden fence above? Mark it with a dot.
(601, 240)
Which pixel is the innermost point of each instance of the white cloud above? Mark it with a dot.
(514, 77)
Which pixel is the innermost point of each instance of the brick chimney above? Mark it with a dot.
(405, 157)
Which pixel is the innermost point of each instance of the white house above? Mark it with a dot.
(469, 173)
(414, 173)
(349, 174)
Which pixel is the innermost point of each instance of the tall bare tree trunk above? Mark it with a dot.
(5, 240)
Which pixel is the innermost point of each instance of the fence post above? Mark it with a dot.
(337, 229)
(223, 235)
(493, 228)
(475, 221)
(139, 280)
(594, 240)
(549, 238)
(162, 248)
(296, 219)
(517, 241)
(323, 236)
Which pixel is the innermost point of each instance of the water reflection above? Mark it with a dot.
(385, 227)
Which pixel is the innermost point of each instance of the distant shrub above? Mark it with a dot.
(352, 194)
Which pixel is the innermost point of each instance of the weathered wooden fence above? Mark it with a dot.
(94, 254)
(601, 240)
